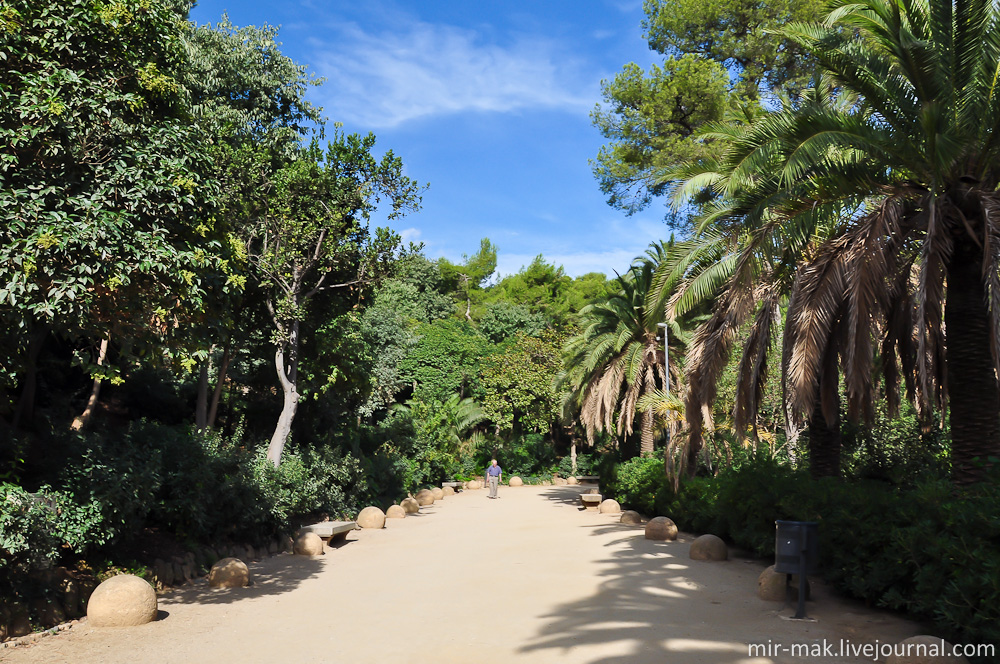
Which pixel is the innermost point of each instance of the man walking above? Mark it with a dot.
(493, 476)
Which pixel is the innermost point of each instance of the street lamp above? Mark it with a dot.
(666, 359)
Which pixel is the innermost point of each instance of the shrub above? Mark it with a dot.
(636, 483)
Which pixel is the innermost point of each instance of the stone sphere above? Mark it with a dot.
(410, 505)
(396, 512)
(709, 547)
(424, 497)
(609, 506)
(472, 485)
(771, 585)
(908, 650)
(558, 481)
(448, 491)
(122, 601)
(371, 517)
(438, 493)
(229, 573)
(572, 480)
(631, 518)
(661, 528)
(308, 544)
(516, 481)
(546, 483)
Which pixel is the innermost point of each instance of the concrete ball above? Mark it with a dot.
(661, 528)
(229, 573)
(709, 547)
(771, 585)
(448, 491)
(572, 480)
(410, 505)
(371, 517)
(923, 649)
(308, 544)
(438, 493)
(122, 601)
(516, 481)
(424, 497)
(396, 512)
(609, 506)
(558, 481)
(473, 485)
(631, 518)
(546, 482)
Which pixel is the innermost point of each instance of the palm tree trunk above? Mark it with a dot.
(973, 393)
(824, 444)
(646, 427)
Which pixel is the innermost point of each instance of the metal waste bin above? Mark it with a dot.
(792, 541)
(796, 551)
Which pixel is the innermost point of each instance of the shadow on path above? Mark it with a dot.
(657, 605)
(271, 576)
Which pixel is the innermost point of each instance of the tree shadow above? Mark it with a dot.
(567, 495)
(270, 576)
(655, 604)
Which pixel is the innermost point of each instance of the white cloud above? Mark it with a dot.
(410, 234)
(416, 69)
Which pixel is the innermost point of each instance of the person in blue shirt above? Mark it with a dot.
(493, 477)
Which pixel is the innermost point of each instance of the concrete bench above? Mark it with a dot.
(328, 530)
(457, 486)
(590, 500)
(588, 478)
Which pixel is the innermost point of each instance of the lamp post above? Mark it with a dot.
(666, 359)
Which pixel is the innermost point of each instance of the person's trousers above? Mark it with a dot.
(494, 481)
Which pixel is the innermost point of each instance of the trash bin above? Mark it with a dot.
(792, 541)
(796, 551)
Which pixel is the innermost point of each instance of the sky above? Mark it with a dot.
(486, 102)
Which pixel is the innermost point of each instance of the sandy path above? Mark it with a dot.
(527, 578)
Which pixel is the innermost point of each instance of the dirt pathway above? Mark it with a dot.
(527, 578)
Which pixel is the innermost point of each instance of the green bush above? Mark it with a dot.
(637, 482)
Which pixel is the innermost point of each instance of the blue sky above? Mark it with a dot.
(489, 103)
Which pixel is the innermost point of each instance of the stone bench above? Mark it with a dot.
(588, 478)
(591, 500)
(457, 486)
(329, 530)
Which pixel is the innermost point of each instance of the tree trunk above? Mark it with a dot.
(288, 377)
(25, 410)
(201, 405)
(81, 421)
(572, 456)
(213, 409)
(647, 438)
(824, 444)
(973, 393)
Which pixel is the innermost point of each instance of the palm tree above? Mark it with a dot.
(743, 259)
(912, 272)
(617, 358)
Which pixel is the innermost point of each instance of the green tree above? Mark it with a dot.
(446, 360)
(313, 237)
(466, 281)
(721, 58)
(738, 34)
(519, 395)
(105, 186)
